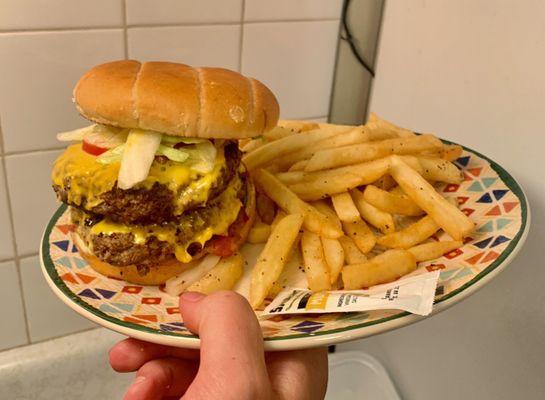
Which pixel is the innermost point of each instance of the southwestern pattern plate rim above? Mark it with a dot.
(76, 290)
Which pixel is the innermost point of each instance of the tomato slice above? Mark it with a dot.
(222, 246)
(92, 148)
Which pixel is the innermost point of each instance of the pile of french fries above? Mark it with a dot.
(359, 201)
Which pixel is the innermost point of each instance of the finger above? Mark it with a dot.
(163, 377)
(300, 374)
(231, 343)
(131, 354)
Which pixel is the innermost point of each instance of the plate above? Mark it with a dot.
(489, 195)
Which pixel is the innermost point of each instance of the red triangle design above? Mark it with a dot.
(490, 257)
(475, 259)
(494, 211)
(152, 318)
(85, 278)
(467, 177)
(462, 200)
(68, 278)
(66, 228)
(509, 205)
(475, 171)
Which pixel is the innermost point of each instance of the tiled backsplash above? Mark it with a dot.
(47, 46)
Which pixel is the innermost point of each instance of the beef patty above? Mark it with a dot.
(155, 205)
(120, 248)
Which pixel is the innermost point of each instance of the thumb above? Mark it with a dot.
(232, 357)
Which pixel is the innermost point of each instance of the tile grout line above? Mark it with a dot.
(241, 42)
(52, 338)
(24, 152)
(159, 25)
(12, 226)
(125, 30)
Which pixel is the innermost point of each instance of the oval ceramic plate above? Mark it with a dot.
(489, 195)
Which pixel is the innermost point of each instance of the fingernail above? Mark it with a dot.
(192, 297)
(139, 379)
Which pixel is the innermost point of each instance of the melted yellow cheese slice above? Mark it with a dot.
(85, 180)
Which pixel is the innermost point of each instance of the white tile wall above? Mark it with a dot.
(266, 10)
(186, 43)
(47, 315)
(296, 60)
(13, 332)
(47, 46)
(6, 236)
(39, 14)
(37, 80)
(187, 11)
(32, 198)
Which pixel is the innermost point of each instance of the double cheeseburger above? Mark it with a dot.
(157, 181)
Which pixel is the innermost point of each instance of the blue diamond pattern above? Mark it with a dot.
(65, 262)
(498, 194)
(172, 327)
(499, 240)
(88, 293)
(307, 326)
(62, 244)
(489, 181)
(488, 227)
(107, 294)
(485, 198)
(463, 161)
(483, 243)
(475, 187)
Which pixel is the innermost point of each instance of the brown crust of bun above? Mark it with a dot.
(176, 99)
(158, 274)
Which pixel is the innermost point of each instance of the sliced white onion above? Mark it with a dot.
(137, 157)
(106, 137)
(175, 286)
(76, 135)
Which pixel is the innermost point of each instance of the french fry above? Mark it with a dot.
(265, 208)
(433, 250)
(449, 152)
(391, 203)
(346, 155)
(352, 254)
(291, 273)
(272, 151)
(385, 183)
(447, 216)
(299, 165)
(438, 169)
(316, 269)
(334, 257)
(298, 125)
(223, 276)
(259, 233)
(411, 235)
(288, 201)
(353, 136)
(278, 132)
(252, 145)
(176, 285)
(273, 257)
(345, 208)
(327, 210)
(384, 268)
(378, 218)
(280, 214)
(321, 184)
(381, 124)
(360, 233)
(290, 177)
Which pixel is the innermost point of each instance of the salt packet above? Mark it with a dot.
(414, 294)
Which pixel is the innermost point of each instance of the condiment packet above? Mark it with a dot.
(414, 294)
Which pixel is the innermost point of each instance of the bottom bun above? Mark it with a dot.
(160, 273)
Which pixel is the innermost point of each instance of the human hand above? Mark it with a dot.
(231, 363)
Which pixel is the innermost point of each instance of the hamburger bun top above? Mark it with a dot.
(176, 99)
